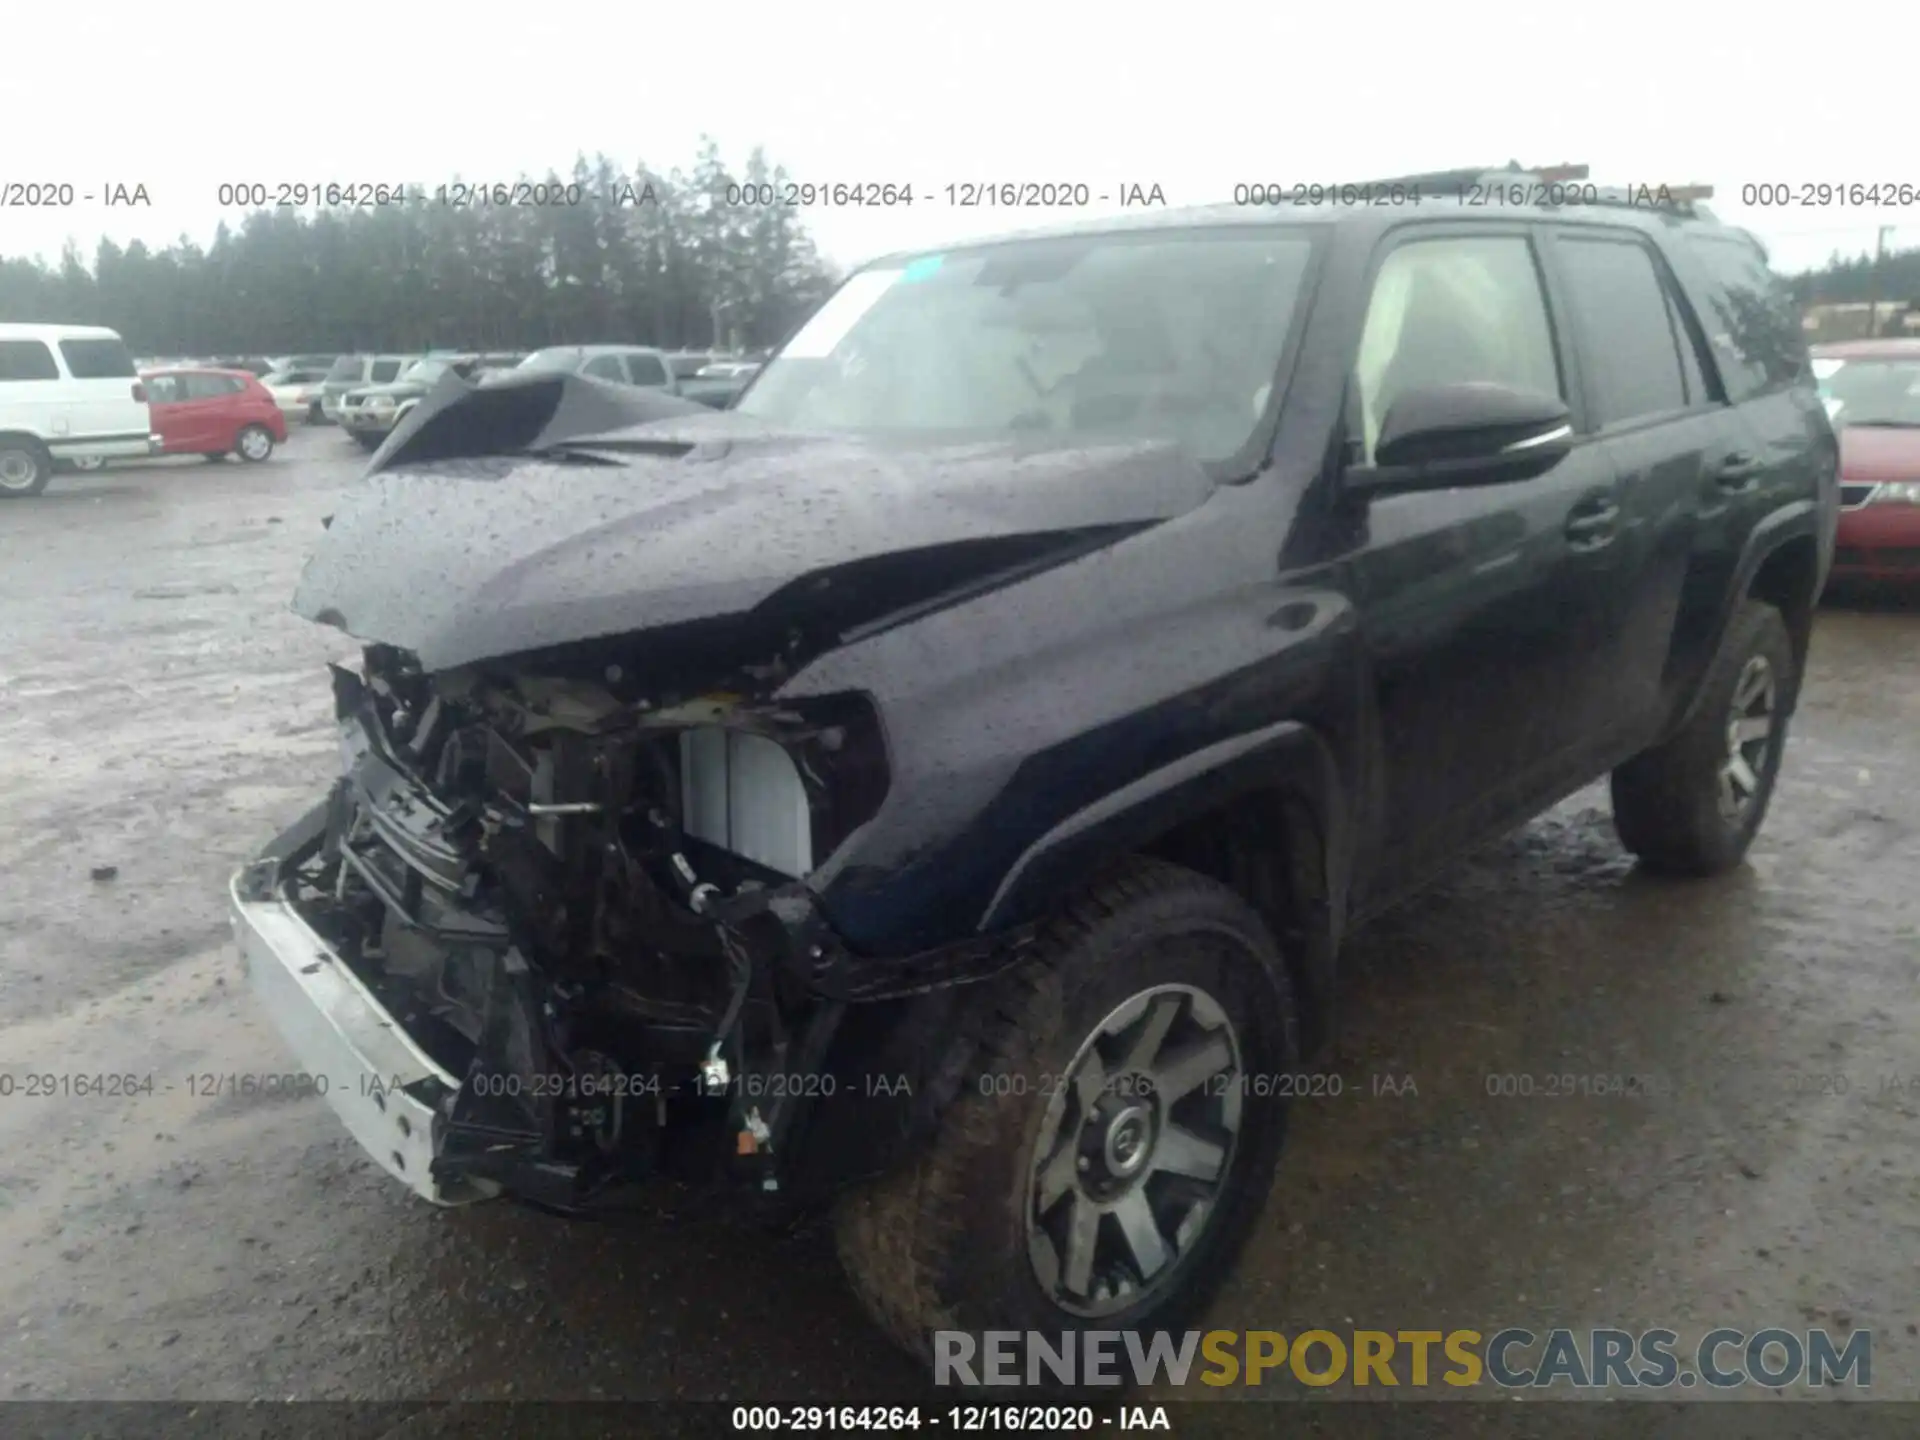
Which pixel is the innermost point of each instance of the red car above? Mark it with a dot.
(1872, 392)
(214, 413)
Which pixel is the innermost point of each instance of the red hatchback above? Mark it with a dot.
(1872, 393)
(214, 413)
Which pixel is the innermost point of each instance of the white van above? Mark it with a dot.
(67, 392)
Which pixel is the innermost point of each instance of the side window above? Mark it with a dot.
(385, 372)
(1450, 310)
(605, 367)
(1626, 327)
(97, 359)
(164, 390)
(208, 387)
(647, 369)
(1752, 324)
(27, 360)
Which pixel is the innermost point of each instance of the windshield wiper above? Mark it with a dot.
(602, 451)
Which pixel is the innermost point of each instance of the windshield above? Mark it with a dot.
(1147, 335)
(559, 357)
(347, 367)
(1870, 392)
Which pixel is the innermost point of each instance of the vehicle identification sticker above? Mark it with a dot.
(822, 334)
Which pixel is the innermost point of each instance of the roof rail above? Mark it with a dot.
(1550, 187)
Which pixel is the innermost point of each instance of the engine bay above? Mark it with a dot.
(567, 898)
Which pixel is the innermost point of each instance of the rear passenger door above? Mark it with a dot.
(102, 388)
(204, 414)
(1778, 445)
(1650, 409)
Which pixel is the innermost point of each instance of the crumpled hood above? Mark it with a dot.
(462, 547)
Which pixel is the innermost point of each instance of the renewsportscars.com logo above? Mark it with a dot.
(1511, 1358)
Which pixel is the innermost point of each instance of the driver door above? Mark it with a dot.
(1484, 605)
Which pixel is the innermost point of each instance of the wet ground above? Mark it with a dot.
(164, 714)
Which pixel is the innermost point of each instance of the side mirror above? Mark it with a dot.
(1469, 434)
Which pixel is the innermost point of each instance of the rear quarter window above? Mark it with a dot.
(1752, 324)
(97, 359)
(27, 360)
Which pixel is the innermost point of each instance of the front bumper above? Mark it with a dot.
(367, 422)
(1878, 542)
(384, 1088)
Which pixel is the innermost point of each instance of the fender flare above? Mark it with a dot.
(1287, 757)
(1800, 520)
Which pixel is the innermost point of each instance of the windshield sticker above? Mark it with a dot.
(830, 324)
(922, 268)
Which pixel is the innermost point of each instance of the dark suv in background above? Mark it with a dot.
(940, 785)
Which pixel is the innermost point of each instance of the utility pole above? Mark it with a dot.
(1879, 264)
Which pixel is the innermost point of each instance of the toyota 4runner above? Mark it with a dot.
(939, 788)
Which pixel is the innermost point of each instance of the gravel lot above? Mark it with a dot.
(164, 714)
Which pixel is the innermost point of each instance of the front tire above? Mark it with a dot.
(1692, 805)
(253, 444)
(25, 468)
(368, 443)
(1106, 1168)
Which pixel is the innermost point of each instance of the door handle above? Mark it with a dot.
(1737, 471)
(1592, 523)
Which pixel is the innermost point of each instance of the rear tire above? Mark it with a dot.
(1692, 805)
(1030, 1208)
(315, 416)
(25, 468)
(253, 444)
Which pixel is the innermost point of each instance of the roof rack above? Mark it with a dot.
(1560, 187)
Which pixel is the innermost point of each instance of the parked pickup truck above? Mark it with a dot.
(939, 787)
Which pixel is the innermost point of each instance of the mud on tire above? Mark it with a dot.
(1669, 802)
(947, 1241)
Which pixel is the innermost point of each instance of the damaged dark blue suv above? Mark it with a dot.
(939, 786)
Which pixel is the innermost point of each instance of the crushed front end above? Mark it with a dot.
(544, 936)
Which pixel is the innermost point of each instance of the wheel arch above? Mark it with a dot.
(1780, 564)
(1787, 577)
(1263, 813)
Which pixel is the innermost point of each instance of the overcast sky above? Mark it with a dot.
(1194, 97)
